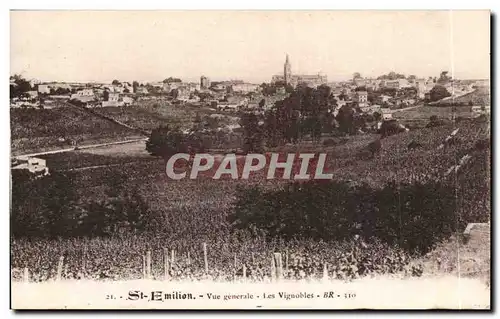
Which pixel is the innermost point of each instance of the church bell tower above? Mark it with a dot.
(288, 71)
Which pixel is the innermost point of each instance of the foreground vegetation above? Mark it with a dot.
(128, 210)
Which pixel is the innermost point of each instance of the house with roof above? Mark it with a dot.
(43, 89)
(361, 98)
(33, 165)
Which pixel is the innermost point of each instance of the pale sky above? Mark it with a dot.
(153, 45)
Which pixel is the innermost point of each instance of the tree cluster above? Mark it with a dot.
(437, 93)
(391, 76)
(48, 207)
(172, 80)
(413, 216)
(306, 111)
(20, 86)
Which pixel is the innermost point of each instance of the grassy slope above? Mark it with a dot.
(207, 197)
(148, 115)
(36, 130)
(419, 117)
(464, 259)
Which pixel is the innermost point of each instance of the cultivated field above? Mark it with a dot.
(35, 130)
(148, 115)
(419, 117)
(425, 112)
(481, 96)
(195, 211)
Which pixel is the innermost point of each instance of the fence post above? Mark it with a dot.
(273, 268)
(205, 257)
(325, 271)
(165, 263)
(148, 264)
(59, 268)
(173, 257)
(286, 260)
(279, 266)
(244, 273)
(188, 259)
(144, 266)
(84, 262)
(26, 275)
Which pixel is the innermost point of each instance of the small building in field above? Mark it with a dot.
(43, 89)
(245, 88)
(386, 113)
(33, 165)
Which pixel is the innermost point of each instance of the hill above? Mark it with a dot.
(37, 130)
(148, 115)
(348, 161)
(480, 96)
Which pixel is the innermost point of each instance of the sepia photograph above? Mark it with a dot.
(254, 160)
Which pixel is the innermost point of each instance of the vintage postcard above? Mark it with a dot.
(250, 160)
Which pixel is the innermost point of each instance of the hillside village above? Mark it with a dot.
(383, 94)
(373, 100)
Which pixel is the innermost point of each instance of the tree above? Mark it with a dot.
(391, 76)
(174, 93)
(268, 89)
(356, 75)
(262, 103)
(42, 207)
(390, 127)
(165, 142)
(375, 147)
(345, 118)
(377, 116)
(19, 87)
(252, 133)
(444, 78)
(115, 82)
(172, 80)
(438, 92)
(204, 96)
(62, 91)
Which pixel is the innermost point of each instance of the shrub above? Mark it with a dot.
(329, 142)
(413, 216)
(390, 127)
(413, 145)
(375, 147)
(47, 207)
(482, 144)
(434, 121)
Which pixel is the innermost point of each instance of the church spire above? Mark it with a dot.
(287, 71)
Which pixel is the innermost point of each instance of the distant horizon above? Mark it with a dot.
(217, 80)
(149, 46)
